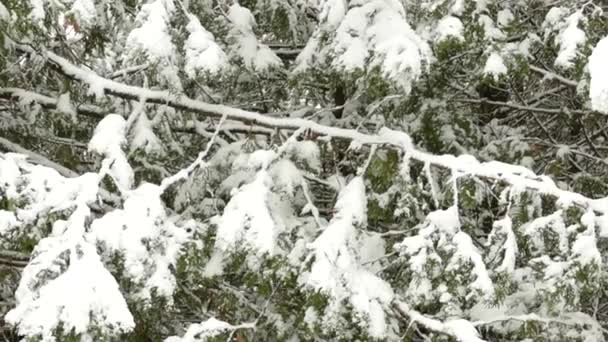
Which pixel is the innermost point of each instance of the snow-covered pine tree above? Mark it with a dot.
(299, 170)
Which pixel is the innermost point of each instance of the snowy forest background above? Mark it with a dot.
(303, 170)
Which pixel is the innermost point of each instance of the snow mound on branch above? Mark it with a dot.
(495, 66)
(4, 14)
(245, 45)
(569, 40)
(131, 231)
(598, 71)
(448, 27)
(247, 219)
(42, 189)
(152, 36)
(364, 38)
(202, 52)
(337, 270)
(38, 13)
(209, 328)
(85, 12)
(569, 36)
(143, 137)
(66, 285)
(108, 138)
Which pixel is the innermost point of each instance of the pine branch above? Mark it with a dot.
(465, 165)
(17, 94)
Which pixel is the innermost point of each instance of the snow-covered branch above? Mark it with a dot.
(26, 97)
(464, 165)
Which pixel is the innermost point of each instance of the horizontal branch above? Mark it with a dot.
(13, 259)
(518, 176)
(17, 94)
(521, 107)
(461, 330)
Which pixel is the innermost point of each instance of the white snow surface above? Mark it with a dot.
(128, 232)
(337, 269)
(152, 35)
(202, 53)
(85, 12)
(209, 328)
(449, 26)
(598, 73)
(4, 14)
(495, 66)
(569, 40)
(67, 284)
(363, 37)
(254, 54)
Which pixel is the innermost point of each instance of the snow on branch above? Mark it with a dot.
(466, 165)
(26, 97)
(207, 329)
(460, 329)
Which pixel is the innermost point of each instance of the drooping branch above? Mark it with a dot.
(522, 107)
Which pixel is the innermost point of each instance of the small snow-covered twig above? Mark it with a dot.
(165, 183)
(461, 330)
(129, 70)
(553, 76)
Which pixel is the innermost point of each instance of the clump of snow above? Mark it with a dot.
(64, 105)
(201, 51)
(598, 72)
(66, 284)
(364, 37)
(495, 66)
(108, 138)
(131, 230)
(7, 221)
(38, 12)
(41, 189)
(569, 39)
(306, 151)
(457, 7)
(337, 268)
(207, 329)
(569, 36)
(247, 219)
(505, 227)
(555, 223)
(85, 12)
(4, 14)
(490, 31)
(142, 136)
(152, 35)
(504, 18)
(245, 45)
(467, 252)
(449, 26)
(584, 249)
(332, 12)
